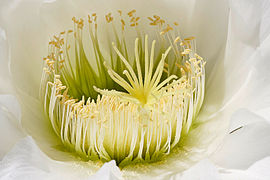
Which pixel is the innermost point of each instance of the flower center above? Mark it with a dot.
(115, 103)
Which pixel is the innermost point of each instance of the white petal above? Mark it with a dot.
(27, 43)
(40, 129)
(26, 161)
(265, 113)
(244, 146)
(257, 171)
(243, 79)
(204, 170)
(27, 37)
(10, 104)
(5, 82)
(261, 168)
(10, 130)
(109, 171)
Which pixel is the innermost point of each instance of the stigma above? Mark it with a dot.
(131, 105)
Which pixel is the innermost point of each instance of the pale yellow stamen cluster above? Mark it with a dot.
(167, 29)
(140, 124)
(109, 17)
(156, 20)
(133, 18)
(93, 19)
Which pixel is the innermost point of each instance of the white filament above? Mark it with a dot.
(112, 129)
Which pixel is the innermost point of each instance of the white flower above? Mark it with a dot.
(232, 36)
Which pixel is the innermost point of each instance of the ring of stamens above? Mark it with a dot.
(127, 114)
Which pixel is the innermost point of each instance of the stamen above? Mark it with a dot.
(140, 90)
(137, 105)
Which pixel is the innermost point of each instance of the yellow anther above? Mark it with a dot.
(109, 17)
(183, 72)
(166, 65)
(130, 14)
(156, 17)
(166, 71)
(89, 19)
(50, 62)
(176, 40)
(132, 19)
(92, 116)
(80, 24)
(151, 19)
(161, 22)
(198, 57)
(162, 32)
(74, 19)
(56, 38)
(134, 24)
(123, 24)
(189, 38)
(167, 29)
(186, 51)
(120, 12)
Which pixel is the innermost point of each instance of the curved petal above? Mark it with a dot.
(10, 127)
(206, 170)
(242, 80)
(260, 168)
(246, 143)
(5, 81)
(109, 171)
(257, 171)
(36, 125)
(202, 170)
(26, 161)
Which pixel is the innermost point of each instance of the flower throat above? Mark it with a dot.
(127, 100)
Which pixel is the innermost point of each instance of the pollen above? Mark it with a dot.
(110, 101)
